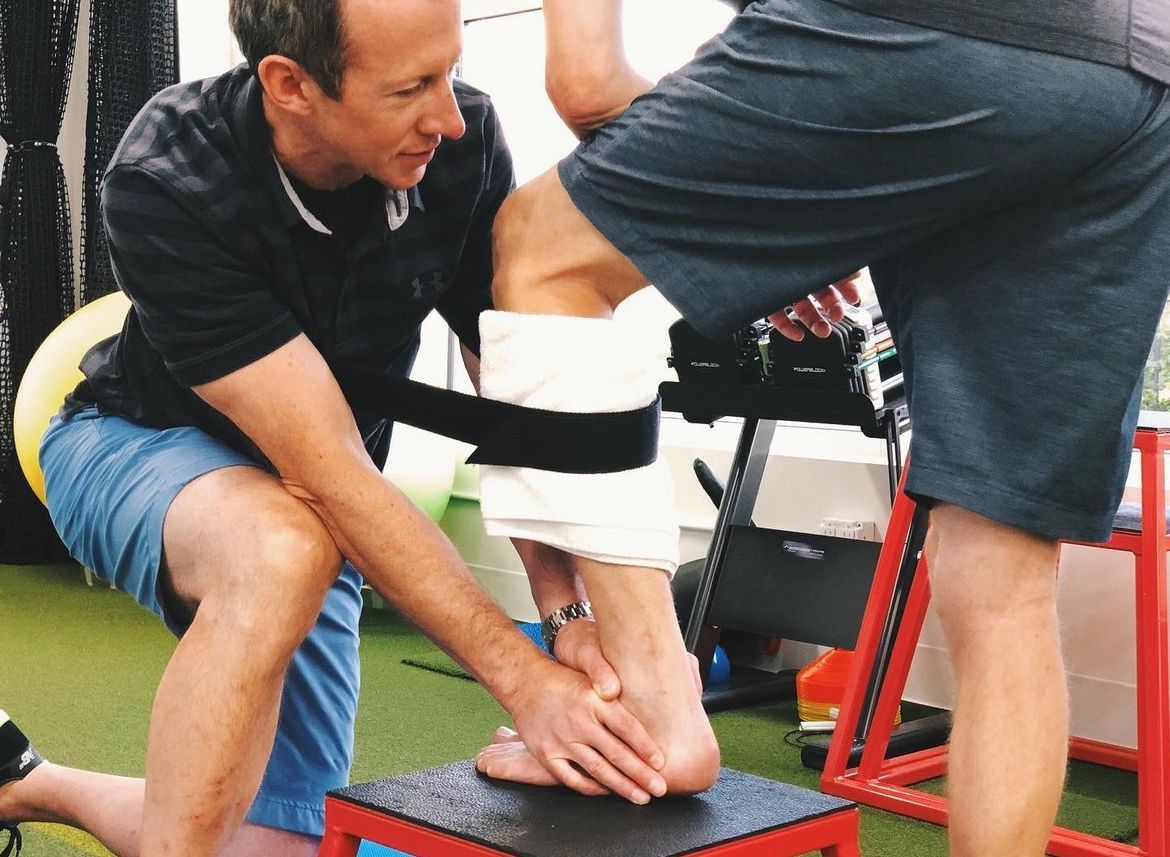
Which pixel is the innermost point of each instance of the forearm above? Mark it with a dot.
(587, 75)
(409, 561)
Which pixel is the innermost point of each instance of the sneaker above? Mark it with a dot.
(17, 755)
(17, 758)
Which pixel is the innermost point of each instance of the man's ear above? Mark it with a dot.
(287, 84)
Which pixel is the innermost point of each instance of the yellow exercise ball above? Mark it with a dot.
(53, 373)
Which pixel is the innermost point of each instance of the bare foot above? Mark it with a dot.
(640, 638)
(512, 762)
(506, 758)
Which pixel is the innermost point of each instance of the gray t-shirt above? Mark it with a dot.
(1132, 34)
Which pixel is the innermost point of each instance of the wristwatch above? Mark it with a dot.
(556, 620)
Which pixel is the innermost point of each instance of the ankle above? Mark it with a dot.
(21, 800)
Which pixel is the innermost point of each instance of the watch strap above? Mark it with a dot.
(552, 624)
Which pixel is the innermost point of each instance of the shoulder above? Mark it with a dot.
(186, 135)
(188, 146)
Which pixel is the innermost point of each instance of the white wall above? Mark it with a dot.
(206, 47)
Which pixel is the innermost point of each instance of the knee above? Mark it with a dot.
(981, 569)
(548, 259)
(274, 594)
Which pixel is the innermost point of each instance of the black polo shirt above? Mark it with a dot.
(225, 262)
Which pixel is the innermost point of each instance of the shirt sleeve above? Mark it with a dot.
(471, 290)
(201, 304)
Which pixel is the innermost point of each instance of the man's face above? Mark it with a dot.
(396, 100)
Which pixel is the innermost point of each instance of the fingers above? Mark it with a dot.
(589, 772)
(629, 731)
(818, 309)
(811, 315)
(577, 646)
(564, 771)
(601, 770)
(803, 315)
(850, 288)
(602, 676)
(786, 327)
(832, 304)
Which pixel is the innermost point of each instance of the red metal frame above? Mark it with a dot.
(884, 783)
(346, 825)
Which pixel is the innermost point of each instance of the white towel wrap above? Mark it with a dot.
(576, 365)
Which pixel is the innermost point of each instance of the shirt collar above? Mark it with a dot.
(398, 203)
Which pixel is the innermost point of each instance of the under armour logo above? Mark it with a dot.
(425, 284)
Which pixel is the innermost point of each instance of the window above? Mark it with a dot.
(1156, 383)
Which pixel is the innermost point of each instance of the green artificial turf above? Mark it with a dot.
(79, 665)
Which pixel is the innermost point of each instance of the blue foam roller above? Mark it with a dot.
(532, 631)
(373, 849)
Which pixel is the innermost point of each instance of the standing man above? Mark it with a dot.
(1004, 170)
(299, 214)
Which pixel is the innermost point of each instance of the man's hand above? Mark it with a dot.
(818, 309)
(577, 646)
(585, 742)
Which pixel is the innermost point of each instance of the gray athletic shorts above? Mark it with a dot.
(1014, 207)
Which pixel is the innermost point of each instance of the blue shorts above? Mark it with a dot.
(1013, 206)
(109, 484)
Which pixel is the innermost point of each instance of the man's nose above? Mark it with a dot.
(444, 119)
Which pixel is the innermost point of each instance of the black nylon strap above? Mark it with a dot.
(508, 434)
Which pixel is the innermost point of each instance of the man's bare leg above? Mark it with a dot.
(995, 591)
(109, 808)
(253, 565)
(633, 606)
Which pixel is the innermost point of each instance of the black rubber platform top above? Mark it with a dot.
(533, 821)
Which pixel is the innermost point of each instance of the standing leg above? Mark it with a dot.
(995, 591)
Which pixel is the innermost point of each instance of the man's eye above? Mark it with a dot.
(412, 90)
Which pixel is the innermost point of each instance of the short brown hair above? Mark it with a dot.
(310, 32)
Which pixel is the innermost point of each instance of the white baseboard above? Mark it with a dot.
(1102, 709)
(510, 590)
